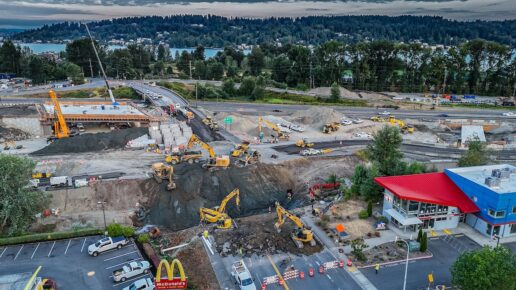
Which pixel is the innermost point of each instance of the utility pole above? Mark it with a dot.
(196, 85)
(311, 77)
(444, 81)
(190, 64)
(91, 68)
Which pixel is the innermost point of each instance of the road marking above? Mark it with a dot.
(66, 251)
(434, 234)
(120, 256)
(34, 251)
(459, 235)
(51, 249)
(250, 262)
(278, 272)
(352, 269)
(18, 253)
(329, 277)
(123, 263)
(83, 243)
(129, 280)
(3, 252)
(447, 231)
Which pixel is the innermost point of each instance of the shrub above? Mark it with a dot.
(424, 243)
(116, 230)
(383, 219)
(143, 238)
(377, 234)
(419, 235)
(50, 236)
(370, 208)
(363, 214)
(325, 218)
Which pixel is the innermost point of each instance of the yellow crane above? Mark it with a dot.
(214, 161)
(162, 172)
(274, 127)
(302, 234)
(218, 214)
(60, 128)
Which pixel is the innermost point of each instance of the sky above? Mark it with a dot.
(33, 13)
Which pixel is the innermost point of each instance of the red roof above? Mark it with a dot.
(428, 187)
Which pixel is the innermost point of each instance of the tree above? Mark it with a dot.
(19, 203)
(419, 235)
(247, 86)
(198, 53)
(475, 156)
(370, 208)
(359, 177)
(74, 72)
(369, 189)
(228, 87)
(10, 58)
(485, 268)
(423, 243)
(163, 53)
(358, 246)
(335, 92)
(256, 61)
(80, 52)
(385, 150)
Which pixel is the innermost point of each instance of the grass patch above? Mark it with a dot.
(50, 236)
(125, 93)
(182, 89)
(479, 106)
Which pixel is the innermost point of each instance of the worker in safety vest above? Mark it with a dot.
(377, 268)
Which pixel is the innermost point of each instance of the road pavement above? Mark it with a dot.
(91, 84)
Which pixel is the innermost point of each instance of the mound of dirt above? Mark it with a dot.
(257, 235)
(259, 185)
(92, 142)
(317, 116)
(12, 134)
(241, 123)
(18, 111)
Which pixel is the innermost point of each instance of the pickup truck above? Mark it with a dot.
(242, 276)
(130, 270)
(106, 244)
(142, 284)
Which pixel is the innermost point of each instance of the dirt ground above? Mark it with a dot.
(257, 235)
(12, 134)
(387, 252)
(18, 111)
(346, 213)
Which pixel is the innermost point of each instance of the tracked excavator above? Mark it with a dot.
(162, 172)
(250, 157)
(300, 235)
(214, 162)
(281, 135)
(303, 143)
(403, 126)
(218, 214)
(330, 127)
(241, 149)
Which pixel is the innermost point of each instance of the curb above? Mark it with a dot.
(397, 261)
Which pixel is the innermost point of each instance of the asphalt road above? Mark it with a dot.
(445, 250)
(67, 262)
(93, 83)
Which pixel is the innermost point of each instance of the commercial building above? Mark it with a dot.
(483, 197)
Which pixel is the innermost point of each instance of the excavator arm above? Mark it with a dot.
(302, 234)
(281, 219)
(60, 127)
(235, 193)
(195, 140)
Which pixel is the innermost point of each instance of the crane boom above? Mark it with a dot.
(60, 127)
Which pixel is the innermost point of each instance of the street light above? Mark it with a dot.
(103, 212)
(406, 262)
(497, 238)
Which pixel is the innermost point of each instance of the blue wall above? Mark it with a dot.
(486, 198)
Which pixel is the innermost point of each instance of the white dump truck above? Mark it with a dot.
(106, 244)
(242, 276)
(130, 270)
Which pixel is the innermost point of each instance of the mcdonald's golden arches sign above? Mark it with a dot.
(170, 282)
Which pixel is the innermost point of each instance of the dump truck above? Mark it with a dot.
(211, 123)
(130, 270)
(242, 276)
(106, 244)
(185, 156)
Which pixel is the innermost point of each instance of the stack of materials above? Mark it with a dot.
(172, 134)
(140, 142)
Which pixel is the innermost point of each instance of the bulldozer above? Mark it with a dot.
(214, 162)
(250, 157)
(241, 149)
(185, 156)
(162, 172)
(218, 214)
(377, 119)
(405, 129)
(300, 235)
(331, 127)
(212, 124)
(303, 143)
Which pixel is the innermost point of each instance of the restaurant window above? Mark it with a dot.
(496, 214)
(413, 206)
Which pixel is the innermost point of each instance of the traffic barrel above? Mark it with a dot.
(281, 282)
(349, 263)
(311, 272)
(321, 269)
(264, 286)
(302, 275)
(341, 264)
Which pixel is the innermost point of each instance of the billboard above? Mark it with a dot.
(170, 282)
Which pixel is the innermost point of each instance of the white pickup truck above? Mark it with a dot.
(242, 276)
(130, 270)
(106, 244)
(141, 284)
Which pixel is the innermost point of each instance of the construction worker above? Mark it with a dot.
(205, 234)
(377, 268)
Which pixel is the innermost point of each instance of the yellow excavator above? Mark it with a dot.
(300, 235)
(161, 172)
(60, 128)
(403, 126)
(218, 214)
(330, 127)
(214, 162)
(240, 149)
(274, 127)
(250, 157)
(303, 143)
(212, 124)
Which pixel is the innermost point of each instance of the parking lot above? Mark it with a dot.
(67, 262)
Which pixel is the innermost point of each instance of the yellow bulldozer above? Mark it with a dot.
(218, 214)
(303, 143)
(331, 127)
(162, 172)
(214, 162)
(241, 149)
(212, 124)
(300, 235)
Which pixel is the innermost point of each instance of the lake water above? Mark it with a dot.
(42, 47)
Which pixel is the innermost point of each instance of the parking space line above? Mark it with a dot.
(130, 280)
(3, 252)
(18, 253)
(278, 272)
(123, 263)
(50, 252)
(120, 256)
(34, 251)
(83, 243)
(69, 241)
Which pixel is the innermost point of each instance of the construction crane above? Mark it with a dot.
(214, 162)
(274, 127)
(300, 235)
(162, 172)
(218, 214)
(60, 128)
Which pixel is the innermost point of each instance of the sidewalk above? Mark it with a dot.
(359, 278)
(385, 237)
(478, 237)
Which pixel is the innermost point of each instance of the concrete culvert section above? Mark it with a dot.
(259, 186)
(92, 142)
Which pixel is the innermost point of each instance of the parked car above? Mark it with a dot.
(80, 127)
(310, 152)
(363, 135)
(384, 113)
(106, 244)
(357, 121)
(130, 270)
(346, 122)
(141, 284)
(509, 114)
(443, 115)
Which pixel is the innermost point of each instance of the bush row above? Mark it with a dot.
(49, 236)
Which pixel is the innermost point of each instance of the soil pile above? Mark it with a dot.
(260, 185)
(241, 123)
(317, 116)
(13, 134)
(18, 111)
(92, 142)
(257, 235)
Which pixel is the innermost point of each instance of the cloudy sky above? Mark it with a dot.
(31, 13)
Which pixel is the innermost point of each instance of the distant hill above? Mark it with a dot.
(9, 31)
(216, 31)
